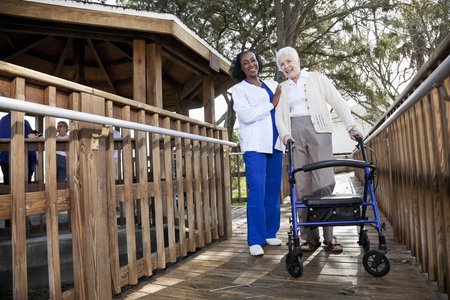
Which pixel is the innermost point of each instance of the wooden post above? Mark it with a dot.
(154, 75)
(208, 99)
(139, 92)
(18, 172)
(51, 197)
(94, 203)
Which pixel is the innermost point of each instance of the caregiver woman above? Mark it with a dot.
(254, 103)
(303, 107)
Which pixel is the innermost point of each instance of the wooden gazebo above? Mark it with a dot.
(135, 66)
(150, 57)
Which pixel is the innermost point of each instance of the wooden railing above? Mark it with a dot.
(412, 146)
(173, 214)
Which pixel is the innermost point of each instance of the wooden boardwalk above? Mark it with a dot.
(225, 270)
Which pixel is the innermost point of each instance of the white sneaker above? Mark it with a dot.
(256, 250)
(273, 242)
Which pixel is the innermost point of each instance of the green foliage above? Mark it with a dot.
(368, 48)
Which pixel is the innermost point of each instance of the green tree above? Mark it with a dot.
(368, 48)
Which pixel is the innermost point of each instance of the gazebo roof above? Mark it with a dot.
(46, 35)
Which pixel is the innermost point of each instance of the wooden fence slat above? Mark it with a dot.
(54, 273)
(168, 157)
(421, 217)
(112, 206)
(205, 187)
(227, 189)
(446, 174)
(129, 201)
(188, 153)
(398, 193)
(412, 192)
(17, 170)
(430, 194)
(212, 188)
(198, 188)
(180, 191)
(219, 185)
(439, 160)
(142, 171)
(158, 204)
(73, 177)
(94, 202)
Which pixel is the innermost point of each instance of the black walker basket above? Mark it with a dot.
(337, 209)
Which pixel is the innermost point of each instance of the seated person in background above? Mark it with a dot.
(5, 133)
(62, 129)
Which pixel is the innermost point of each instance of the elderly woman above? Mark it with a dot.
(62, 129)
(254, 102)
(302, 115)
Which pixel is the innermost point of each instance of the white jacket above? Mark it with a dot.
(318, 91)
(252, 106)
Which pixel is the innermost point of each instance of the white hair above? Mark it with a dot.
(288, 51)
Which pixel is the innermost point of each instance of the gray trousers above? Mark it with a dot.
(311, 147)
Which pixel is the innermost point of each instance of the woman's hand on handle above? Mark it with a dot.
(286, 138)
(354, 133)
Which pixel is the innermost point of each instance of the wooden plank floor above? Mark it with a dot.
(225, 270)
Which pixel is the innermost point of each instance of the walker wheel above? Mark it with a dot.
(294, 264)
(365, 242)
(376, 263)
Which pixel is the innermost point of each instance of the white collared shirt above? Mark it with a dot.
(298, 104)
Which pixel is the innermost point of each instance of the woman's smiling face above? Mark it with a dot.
(249, 65)
(289, 66)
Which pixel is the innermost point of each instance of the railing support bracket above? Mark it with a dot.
(442, 90)
(96, 137)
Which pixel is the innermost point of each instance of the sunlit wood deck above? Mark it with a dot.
(224, 269)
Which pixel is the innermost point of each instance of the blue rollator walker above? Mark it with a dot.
(337, 209)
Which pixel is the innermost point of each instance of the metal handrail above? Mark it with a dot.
(44, 110)
(438, 76)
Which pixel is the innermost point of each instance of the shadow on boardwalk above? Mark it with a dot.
(225, 270)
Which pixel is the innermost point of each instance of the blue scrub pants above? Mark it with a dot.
(263, 172)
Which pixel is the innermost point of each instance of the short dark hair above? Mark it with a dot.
(235, 69)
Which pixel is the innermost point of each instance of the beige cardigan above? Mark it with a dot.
(318, 88)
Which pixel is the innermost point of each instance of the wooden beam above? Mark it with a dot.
(100, 63)
(179, 62)
(123, 48)
(208, 99)
(154, 75)
(26, 46)
(62, 56)
(191, 84)
(139, 92)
